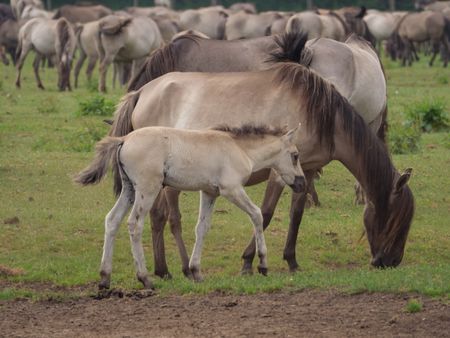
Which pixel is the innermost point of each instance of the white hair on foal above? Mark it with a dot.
(216, 162)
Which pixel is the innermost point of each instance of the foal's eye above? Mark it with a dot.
(294, 158)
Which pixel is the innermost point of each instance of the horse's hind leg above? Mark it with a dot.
(90, 68)
(25, 49)
(36, 63)
(172, 198)
(435, 52)
(238, 197)
(158, 215)
(202, 227)
(143, 201)
(273, 192)
(112, 223)
(78, 66)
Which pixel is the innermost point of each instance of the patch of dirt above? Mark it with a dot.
(307, 313)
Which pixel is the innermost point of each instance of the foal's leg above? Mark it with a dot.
(36, 63)
(144, 199)
(239, 197)
(296, 214)
(273, 192)
(112, 223)
(172, 198)
(202, 227)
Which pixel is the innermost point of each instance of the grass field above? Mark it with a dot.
(51, 231)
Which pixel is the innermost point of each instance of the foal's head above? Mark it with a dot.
(387, 243)
(287, 163)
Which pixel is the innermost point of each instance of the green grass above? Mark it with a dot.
(58, 240)
(414, 306)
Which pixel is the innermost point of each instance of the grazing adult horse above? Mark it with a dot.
(286, 94)
(216, 162)
(421, 27)
(125, 39)
(53, 39)
(353, 67)
(209, 20)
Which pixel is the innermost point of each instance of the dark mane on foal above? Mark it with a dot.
(325, 108)
(250, 130)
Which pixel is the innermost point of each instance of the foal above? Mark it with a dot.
(217, 162)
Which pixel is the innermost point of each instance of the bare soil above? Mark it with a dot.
(308, 313)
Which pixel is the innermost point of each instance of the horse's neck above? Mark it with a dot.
(260, 151)
(369, 162)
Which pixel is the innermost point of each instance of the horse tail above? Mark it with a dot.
(104, 154)
(64, 38)
(382, 131)
(160, 62)
(291, 49)
(122, 126)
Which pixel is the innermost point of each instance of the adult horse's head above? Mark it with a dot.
(388, 229)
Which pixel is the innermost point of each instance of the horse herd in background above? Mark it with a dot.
(277, 71)
(126, 37)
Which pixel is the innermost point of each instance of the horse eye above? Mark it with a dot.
(294, 158)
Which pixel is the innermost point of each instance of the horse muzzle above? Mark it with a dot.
(299, 184)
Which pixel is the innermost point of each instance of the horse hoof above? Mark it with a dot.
(262, 270)
(188, 274)
(163, 274)
(148, 285)
(196, 275)
(246, 272)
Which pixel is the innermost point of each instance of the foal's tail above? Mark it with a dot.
(122, 126)
(104, 154)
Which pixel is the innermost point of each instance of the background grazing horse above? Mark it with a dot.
(421, 27)
(125, 39)
(285, 94)
(217, 162)
(54, 39)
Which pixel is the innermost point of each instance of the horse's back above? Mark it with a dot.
(354, 68)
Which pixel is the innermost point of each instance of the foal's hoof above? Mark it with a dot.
(262, 270)
(148, 285)
(196, 275)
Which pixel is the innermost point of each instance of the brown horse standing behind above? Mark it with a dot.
(48, 38)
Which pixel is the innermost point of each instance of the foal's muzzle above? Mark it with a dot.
(299, 184)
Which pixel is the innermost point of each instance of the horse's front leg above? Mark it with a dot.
(172, 199)
(158, 215)
(239, 197)
(112, 223)
(203, 224)
(275, 186)
(296, 214)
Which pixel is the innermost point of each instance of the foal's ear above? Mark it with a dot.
(290, 134)
(403, 179)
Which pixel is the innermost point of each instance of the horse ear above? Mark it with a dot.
(403, 179)
(290, 134)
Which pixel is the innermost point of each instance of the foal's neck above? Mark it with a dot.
(260, 150)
